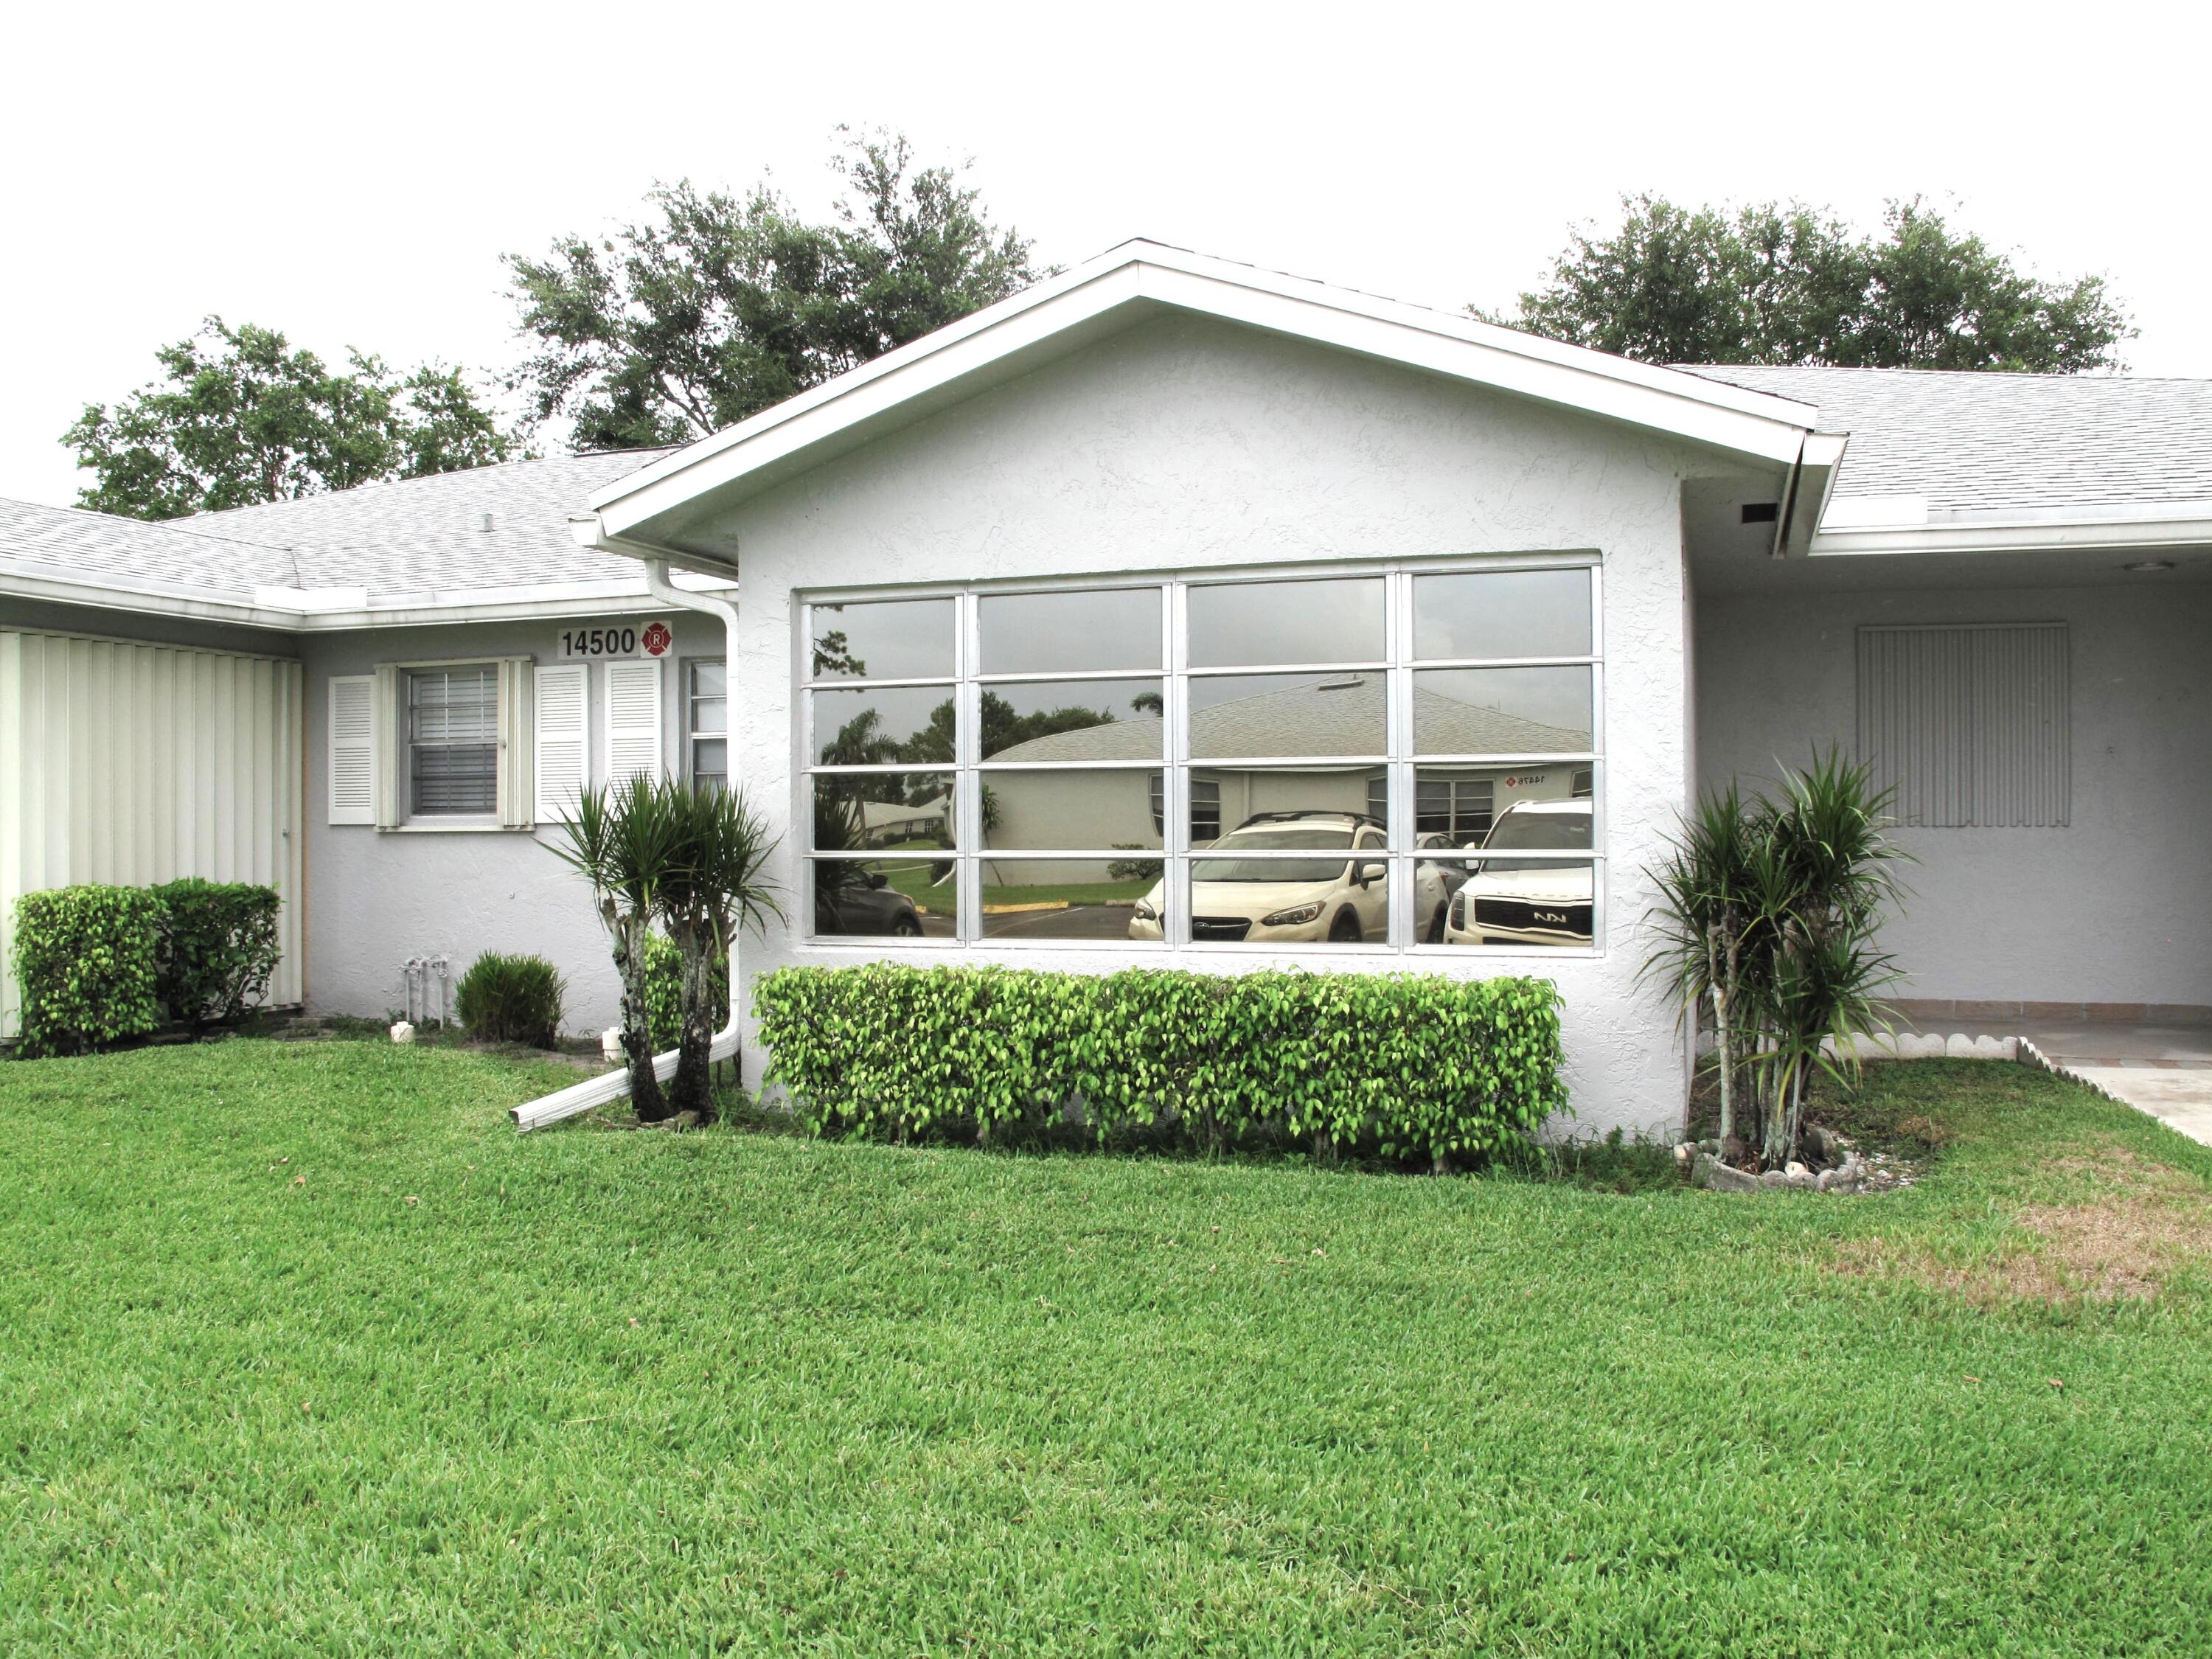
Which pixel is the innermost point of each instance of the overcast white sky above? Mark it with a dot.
(352, 174)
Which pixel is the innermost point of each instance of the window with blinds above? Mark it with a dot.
(452, 740)
(1968, 724)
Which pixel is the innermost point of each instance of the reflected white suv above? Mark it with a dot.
(1545, 901)
(1341, 895)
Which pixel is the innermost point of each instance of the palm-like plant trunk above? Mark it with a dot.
(1724, 1025)
(646, 1096)
(692, 1087)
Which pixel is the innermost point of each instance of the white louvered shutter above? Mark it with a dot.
(353, 748)
(564, 739)
(633, 720)
(518, 754)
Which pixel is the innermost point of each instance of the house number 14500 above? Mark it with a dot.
(617, 640)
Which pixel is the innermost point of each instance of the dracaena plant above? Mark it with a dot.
(624, 840)
(714, 888)
(1765, 924)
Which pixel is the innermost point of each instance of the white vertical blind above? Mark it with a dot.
(633, 720)
(353, 748)
(133, 764)
(563, 738)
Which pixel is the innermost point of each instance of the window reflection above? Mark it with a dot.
(878, 725)
(885, 898)
(1501, 711)
(1071, 899)
(882, 640)
(1070, 809)
(855, 812)
(1235, 715)
(1503, 613)
(1039, 633)
(1234, 624)
(1293, 877)
(1539, 904)
(1073, 720)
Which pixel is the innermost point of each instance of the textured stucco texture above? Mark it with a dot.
(2111, 907)
(377, 897)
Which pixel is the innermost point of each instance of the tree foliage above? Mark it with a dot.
(239, 417)
(1785, 283)
(716, 306)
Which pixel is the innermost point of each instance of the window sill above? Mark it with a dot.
(463, 828)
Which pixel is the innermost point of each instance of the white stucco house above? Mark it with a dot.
(1028, 617)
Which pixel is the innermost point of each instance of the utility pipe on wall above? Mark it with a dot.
(599, 1090)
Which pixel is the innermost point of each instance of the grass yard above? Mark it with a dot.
(302, 1350)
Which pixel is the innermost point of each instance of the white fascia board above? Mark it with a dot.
(2033, 536)
(1667, 400)
(429, 609)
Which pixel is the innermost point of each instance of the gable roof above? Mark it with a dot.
(659, 506)
(1308, 719)
(2017, 445)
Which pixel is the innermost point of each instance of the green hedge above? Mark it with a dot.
(512, 999)
(664, 991)
(1398, 1065)
(218, 948)
(84, 958)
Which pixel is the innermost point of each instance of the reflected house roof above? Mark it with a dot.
(884, 814)
(1309, 720)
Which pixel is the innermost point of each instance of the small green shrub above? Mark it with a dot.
(664, 992)
(511, 999)
(218, 948)
(1393, 1065)
(85, 960)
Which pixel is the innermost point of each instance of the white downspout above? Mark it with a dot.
(613, 1085)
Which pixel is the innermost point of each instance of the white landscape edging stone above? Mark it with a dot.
(1914, 1045)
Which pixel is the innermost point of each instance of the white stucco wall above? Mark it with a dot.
(2111, 907)
(1192, 444)
(377, 897)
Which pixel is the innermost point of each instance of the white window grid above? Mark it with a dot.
(1398, 665)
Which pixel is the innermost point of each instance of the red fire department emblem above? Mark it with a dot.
(657, 640)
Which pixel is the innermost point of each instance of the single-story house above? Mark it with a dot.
(1312, 551)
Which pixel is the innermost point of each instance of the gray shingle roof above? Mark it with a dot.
(413, 537)
(1988, 442)
(76, 544)
(1304, 719)
(429, 533)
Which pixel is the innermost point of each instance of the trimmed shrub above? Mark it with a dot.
(1398, 1066)
(84, 958)
(511, 999)
(218, 948)
(664, 991)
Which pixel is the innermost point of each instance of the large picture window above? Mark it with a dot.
(1384, 757)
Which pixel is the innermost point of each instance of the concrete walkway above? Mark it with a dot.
(2164, 1070)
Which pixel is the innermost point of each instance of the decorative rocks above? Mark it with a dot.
(402, 1032)
(1849, 1173)
(1724, 1177)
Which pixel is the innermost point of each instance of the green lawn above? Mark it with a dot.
(633, 1392)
